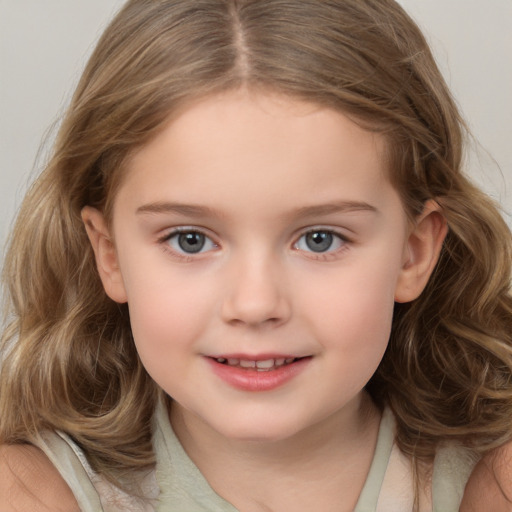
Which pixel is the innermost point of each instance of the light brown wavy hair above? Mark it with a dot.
(70, 362)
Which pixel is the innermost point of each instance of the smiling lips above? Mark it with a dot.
(263, 374)
(260, 365)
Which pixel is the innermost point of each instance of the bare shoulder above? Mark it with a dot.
(490, 484)
(29, 481)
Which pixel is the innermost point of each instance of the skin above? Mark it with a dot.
(257, 172)
(490, 485)
(29, 481)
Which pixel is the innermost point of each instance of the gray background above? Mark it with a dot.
(44, 45)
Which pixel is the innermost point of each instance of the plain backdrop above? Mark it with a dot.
(44, 45)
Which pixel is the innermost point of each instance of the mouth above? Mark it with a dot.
(265, 372)
(260, 365)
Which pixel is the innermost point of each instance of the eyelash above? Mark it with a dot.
(164, 241)
(328, 255)
(323, 256)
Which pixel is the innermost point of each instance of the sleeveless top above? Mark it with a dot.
(176, 485)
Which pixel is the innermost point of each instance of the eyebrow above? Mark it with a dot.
(334, 207)
(188, 210)
(197, 211)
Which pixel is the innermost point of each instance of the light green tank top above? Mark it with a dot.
(178, 486)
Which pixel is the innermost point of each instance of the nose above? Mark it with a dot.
(257, 294)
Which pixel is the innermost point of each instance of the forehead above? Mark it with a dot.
(257, 143)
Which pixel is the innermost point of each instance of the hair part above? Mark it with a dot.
(70, 361)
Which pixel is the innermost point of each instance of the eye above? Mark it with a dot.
(189, 242)
(320, 240)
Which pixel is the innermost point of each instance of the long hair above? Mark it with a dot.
(70, 362)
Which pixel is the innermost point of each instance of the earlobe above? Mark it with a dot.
(105, 254)
(422, 252)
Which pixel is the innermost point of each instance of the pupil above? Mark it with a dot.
(191, 242)
(319, 241)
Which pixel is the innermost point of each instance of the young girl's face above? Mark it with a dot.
(260, 247)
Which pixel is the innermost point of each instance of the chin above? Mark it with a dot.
(258, 432)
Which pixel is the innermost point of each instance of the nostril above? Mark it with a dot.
(255, 302)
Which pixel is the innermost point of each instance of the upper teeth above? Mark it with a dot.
(266, 364)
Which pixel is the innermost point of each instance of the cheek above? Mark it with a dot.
(355, 332)
(168, 312)
(352, 309)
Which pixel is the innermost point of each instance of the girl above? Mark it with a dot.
(253, 276)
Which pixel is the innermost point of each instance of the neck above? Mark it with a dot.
(322, 467)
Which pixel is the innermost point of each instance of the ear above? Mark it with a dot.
(421, 252)
(105, 254)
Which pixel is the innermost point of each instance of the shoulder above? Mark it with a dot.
(29, 481)
(490, 484)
